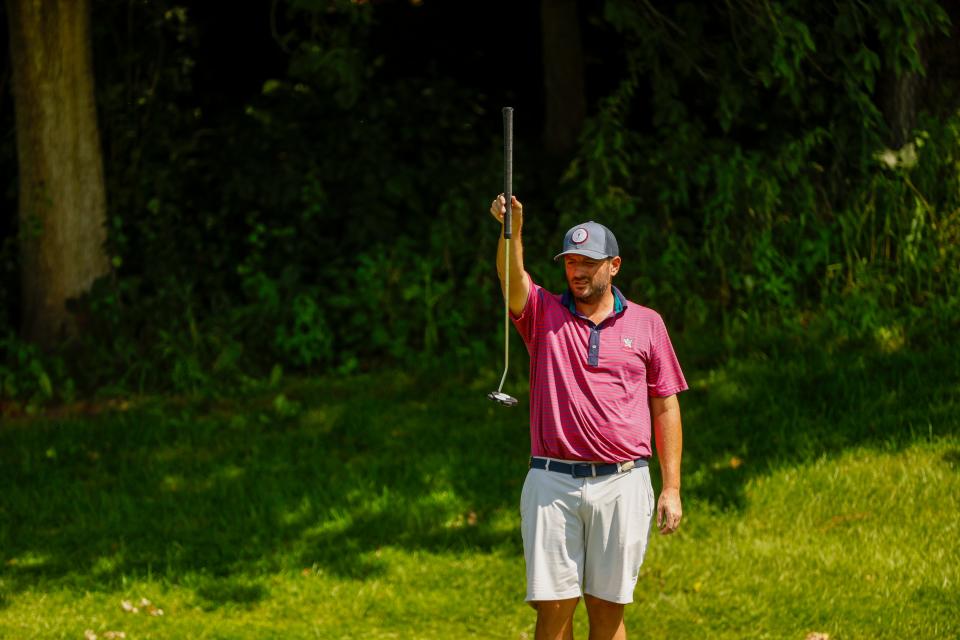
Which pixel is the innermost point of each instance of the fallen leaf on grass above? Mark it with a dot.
(145, 604)
(114, 635)
(150, 608)
(843, 519)
(816, 635)
(89, 635)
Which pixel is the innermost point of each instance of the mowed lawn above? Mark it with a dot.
(822, 494)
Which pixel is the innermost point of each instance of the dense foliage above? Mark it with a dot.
(745, 156)
(748, 142)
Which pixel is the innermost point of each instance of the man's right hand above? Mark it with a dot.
(498, 209)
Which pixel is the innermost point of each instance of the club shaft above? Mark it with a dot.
(506, 312)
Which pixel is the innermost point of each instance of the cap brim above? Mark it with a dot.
(596, 255)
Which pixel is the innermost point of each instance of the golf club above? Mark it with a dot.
(499, 395)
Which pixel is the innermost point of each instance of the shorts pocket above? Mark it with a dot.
(525, 493)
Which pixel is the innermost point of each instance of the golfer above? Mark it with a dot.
(603, 375)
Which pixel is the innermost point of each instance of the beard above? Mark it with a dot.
(594, 291)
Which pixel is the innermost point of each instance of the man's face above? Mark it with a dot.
(589, 279)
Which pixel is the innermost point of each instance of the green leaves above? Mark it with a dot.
(757, 147)
(31, 377)
(334, 219)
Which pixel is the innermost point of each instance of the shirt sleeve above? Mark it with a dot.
(527, 320)
(664, 376)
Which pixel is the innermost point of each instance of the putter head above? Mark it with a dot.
(502, 398)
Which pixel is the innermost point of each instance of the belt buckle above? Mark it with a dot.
(584, 466)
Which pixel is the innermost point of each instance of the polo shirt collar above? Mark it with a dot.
(619, 302)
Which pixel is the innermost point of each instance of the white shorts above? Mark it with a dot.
(585, 535)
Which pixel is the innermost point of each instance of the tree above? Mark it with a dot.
(62, 203)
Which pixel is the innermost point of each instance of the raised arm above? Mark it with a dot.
(519, 283)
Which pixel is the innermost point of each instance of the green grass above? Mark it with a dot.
(822, 493)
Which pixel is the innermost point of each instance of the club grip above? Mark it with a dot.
(507, 168)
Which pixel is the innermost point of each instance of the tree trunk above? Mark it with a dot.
(62, 205)
(566, 102)
(899, 106)
(901, 98)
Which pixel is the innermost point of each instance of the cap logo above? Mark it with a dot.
(579, 236)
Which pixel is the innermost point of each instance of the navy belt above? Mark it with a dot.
(586, 469)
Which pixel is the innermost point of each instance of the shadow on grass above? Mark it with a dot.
(321, 475)
(785, 405)
(214, 593)
(326, 474)
(952, 458)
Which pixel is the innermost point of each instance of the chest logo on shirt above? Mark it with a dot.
(628, 343)
(579, 236)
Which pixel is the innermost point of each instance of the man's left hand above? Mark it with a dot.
(669, 511)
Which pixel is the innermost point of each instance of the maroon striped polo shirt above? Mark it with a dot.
(590, 384)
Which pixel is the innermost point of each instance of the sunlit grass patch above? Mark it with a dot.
(820, 495)
(859, 545)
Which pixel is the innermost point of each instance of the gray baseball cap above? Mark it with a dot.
(590, 239)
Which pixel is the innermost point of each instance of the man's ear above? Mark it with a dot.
(614, 265)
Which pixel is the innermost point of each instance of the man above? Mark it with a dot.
(602, 369)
